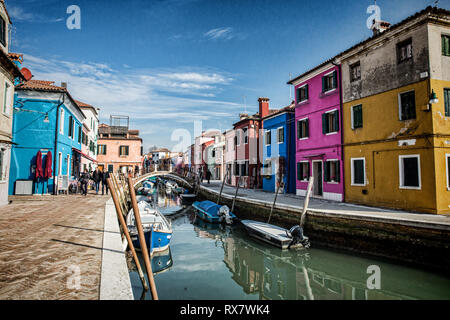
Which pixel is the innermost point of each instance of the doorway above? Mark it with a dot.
(317, 174)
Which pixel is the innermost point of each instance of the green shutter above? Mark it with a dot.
(323, 85)
(298, 94)
(335, 79)
(327, 171)
(336, 120)
(306, 92)
(324, 124)
(306, 128)
(299, 169)
(447, 102)
(338, 171)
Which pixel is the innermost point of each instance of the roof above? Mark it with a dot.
(47, 86)
(15, 56)
(427, 10)
(9, 65)
(84, 105)
(289, 108)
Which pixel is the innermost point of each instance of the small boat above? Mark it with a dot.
(153, 179)
(157, 229)
(213, 212)
(188, 197)
(276, 236)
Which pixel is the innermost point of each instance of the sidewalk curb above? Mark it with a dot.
(115, 281)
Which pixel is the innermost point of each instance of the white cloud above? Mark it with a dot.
(150, 97)
(18, 14)
(220, 33)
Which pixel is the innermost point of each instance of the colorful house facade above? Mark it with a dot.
(279, 150)
(230, 156)
(9, 71)
(46, 119)
(318, 118)
(89, 137)
(396, 94)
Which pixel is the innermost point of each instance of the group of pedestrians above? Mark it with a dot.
(97, 177)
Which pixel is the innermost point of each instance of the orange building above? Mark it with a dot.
(119, 149)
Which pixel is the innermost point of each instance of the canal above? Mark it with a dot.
(218, 262)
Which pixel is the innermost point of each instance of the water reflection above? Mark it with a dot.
(212, 261)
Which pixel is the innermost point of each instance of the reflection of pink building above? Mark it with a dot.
(230, 156)
(318, 127)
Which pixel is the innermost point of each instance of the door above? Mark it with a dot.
(317, 174)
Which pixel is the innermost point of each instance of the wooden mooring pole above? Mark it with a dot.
(235, 195)
(275, 199)
(125, 231)
(145, 253)
(306, 203)
(221, 189)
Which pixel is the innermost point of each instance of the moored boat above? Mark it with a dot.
(157, 229)
(275, 235)
(213, 212)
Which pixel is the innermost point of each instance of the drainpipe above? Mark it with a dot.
(341, 120)
(56, 145)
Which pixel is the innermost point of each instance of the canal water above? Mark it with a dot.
(218, 262)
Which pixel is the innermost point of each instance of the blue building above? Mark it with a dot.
(46, 118)
(279, 150)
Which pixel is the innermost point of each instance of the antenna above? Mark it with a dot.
(436, 3)
(290, 87)
(245, 104)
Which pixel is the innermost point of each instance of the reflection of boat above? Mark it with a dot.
(157, 230)
(162, 261)
(275, 235)
(213, 212)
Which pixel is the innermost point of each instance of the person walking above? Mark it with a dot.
(84, 180)
(208, 175)
(105, 177)
(97, 177)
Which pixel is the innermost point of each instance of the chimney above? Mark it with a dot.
(263, 107)
(64, 84)
(242, 116)
(379, 26)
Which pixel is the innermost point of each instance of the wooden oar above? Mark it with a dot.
(137, 216)
(125, 231)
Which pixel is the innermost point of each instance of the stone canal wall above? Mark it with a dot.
(406, 240)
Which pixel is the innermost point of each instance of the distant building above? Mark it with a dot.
(89, 137)
(230, 156)
(279, 150)
(214, 156)
(119, 148)
(8, 72)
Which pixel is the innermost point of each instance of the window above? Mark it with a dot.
(409, 168)
(59, 163)
(245, 131)
(447, 164)
(80, 134)
(238, 137)
(357, 117)
(447, 102)
(358, 171)
(7, 99)
(101, 149)
(280, 135)
(267, 168)
(303, 171)
(236, 169)
(123, 150)
(2, 170)
(404, 51)
(332, 171)
(303, 129)
(61, 121)
(446, 45)
(71, 127)
(302, 93)
(213, 153)
(268, 138)
(407, 105)
(329, 82)
(110, 168)
(3, 31)
(330, 122)
(355, 72)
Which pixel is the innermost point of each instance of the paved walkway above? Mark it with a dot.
(333, 208)
(46, 242)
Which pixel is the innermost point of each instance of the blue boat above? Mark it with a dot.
(213, 212)
(157, 229)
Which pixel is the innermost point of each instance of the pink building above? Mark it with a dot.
(230, 156)
(318, 119)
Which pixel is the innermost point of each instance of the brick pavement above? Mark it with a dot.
(45, 241)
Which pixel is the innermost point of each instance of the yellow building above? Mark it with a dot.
(396, 115)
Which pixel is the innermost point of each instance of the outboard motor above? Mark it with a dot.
(224, 215)
(296, 233)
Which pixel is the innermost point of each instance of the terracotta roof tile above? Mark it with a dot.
(83, 104)
(40, 85)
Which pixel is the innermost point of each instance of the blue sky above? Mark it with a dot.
(168, 63)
